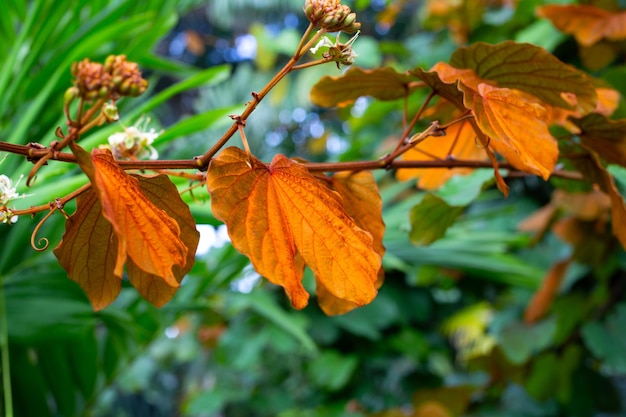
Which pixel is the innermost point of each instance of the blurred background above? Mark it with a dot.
(444, 337)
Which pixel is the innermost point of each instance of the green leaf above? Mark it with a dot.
(53, 362)
(431, 218)
(520, 341)
(197, 123)
(382, 83)
(608, 341)
(461, 190)
(28, 386)
(263, 304)
(332, 370)
(527, 68)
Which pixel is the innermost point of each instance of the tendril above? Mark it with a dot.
(43, 241)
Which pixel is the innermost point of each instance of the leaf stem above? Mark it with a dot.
(203, 161)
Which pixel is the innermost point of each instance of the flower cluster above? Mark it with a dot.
(8, 192)
(331, 15)
(135, 142)
(116, 78)
(341, 53)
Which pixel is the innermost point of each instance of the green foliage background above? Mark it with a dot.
(447, 325)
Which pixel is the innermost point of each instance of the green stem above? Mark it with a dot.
(4, 348)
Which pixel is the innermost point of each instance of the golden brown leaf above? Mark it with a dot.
(160, 190)
(588, 24)
(381, 83)
(516, 128)
(275, 212)
(87, 252)
(145, 232)
(89, 247)
(543, 298)
(605, 136)
(459, 142)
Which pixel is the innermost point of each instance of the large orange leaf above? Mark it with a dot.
(278, 211)
(363, 203)
(588, 24)
(145, 232)
(516, 128)
(89, 247)
(160, 191)
(459, 142)
(527, 68)
(382, 83)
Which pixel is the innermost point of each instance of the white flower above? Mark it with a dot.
(6, 216)
(323, 43)
(135, 142)
(8, 191)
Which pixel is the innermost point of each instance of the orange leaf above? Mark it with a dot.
(89, 247)
(516, 128)
(587, 23)
(275, 212)
(88, 253)
(160, 191)
(145, 232)
(543, 298)
(363, 203)
(450, 75)
(459, 142)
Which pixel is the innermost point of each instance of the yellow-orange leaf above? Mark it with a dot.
(449, 75)
(146, 233)
(459, 142)
(160, 191)
(363, 203)
(516, 128)
(278, 211)
(588, 24)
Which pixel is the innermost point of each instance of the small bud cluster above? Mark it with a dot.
(135, 142)
(116, 78)
(126, 76)
(331, 15)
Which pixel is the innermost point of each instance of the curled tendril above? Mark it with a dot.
(43, 241)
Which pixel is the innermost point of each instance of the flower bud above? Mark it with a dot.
(110, 112)
(70, 94)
